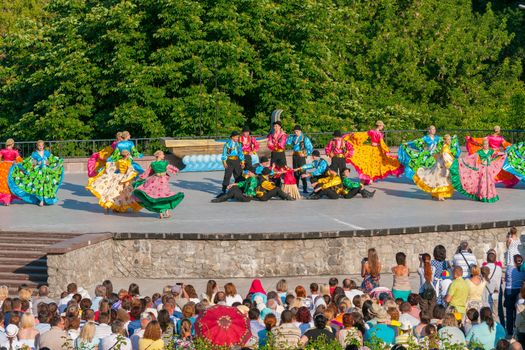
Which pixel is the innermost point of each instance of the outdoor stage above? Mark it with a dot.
(397, 204)
(258, 239)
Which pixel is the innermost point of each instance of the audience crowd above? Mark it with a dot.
(460, 302)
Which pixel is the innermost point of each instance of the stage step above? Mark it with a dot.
(23, 258)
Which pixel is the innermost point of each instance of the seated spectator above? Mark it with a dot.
(380, 331)
(254, 316)
(270, 321)
(185, 339)
(405, 336)
(286, 334)
(471, 320)
(27, 333)
(319, 333)
(231, 294)
(57, 336)
(117, 339)
(349, 334)
(87, 340)
(103, 328)
(424, 319)
(11, 332)
(44, 317)
(43, 297)
(450, 332)
(406, 317)
(304, 319)
(487, 333)
(152, 338)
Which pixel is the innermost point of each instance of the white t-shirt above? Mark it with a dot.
(109, 341)
(350, 294)
(230, 300)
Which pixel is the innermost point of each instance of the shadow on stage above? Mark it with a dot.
(76, 190)
(212, 186)
(73, 204)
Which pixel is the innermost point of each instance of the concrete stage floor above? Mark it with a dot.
(397, 203)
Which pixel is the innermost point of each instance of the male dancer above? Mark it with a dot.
(233, 161)
(277, 142)
(242, 191)
(266, 189)
(302, 148)
(339, 150)
(250, 146)
(319, 166)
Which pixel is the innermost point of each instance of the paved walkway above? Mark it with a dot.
(397, 203)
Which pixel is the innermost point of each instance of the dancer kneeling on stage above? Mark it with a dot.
(266, 189)
(349, 188)
(319, 166)
(243, 191)
(327, 185)
(264, 162)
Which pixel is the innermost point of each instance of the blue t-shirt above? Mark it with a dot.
(380, 332)
(513, 278)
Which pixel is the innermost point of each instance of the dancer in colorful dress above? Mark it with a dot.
(515, 161)
(153, 191)
(8, 156)
(339, 150)
(232, 160)
(277, 143)
(287, 179)
(372, 162)
(112, 186)
(98, 160)
(250, 147)
(436, 179)
(302, 148)
(418, 153)
(474, 175)
(127, 145)
(498, 144)
(38, 177)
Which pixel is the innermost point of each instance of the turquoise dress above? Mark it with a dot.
(37, 178)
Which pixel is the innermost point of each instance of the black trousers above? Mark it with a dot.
(277, 155)
(331, 194)
(233, 167)
(352, 193)
(235, 193)
(298, 161)
(339, 164)
(276, 192)
(247, 161)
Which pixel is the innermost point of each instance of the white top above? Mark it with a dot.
(350, 294)
(230, 300)
(407, 318)
(512, 250)
(102, 330)
(495, 275)
(109, 341)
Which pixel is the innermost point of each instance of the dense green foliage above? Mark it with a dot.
(200, 67)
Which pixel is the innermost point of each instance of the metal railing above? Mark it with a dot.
(147, 146)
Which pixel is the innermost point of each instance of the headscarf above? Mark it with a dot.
(256, 287)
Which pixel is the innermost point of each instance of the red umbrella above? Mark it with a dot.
(223, 326)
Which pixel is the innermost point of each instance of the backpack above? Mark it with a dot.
(428, 292)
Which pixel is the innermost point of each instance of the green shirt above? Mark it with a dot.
(159, 166)
(248, 186)
(349, 184)
(458, 290)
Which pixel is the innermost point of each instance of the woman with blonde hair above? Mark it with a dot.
(4, 294)
(27, 334)
(370, 271)
(153, 189)
(476, 286)
(98, 160)
(282, 290)
(38, 177)
(87, 340)
(152, 339)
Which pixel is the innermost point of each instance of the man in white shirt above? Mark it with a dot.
(406, 317)
(464, 259)
(350, 288)
(117, 339)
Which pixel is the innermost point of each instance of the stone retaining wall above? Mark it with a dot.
(174, 257)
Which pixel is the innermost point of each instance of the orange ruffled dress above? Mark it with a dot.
(7, 158)
(372, 161)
